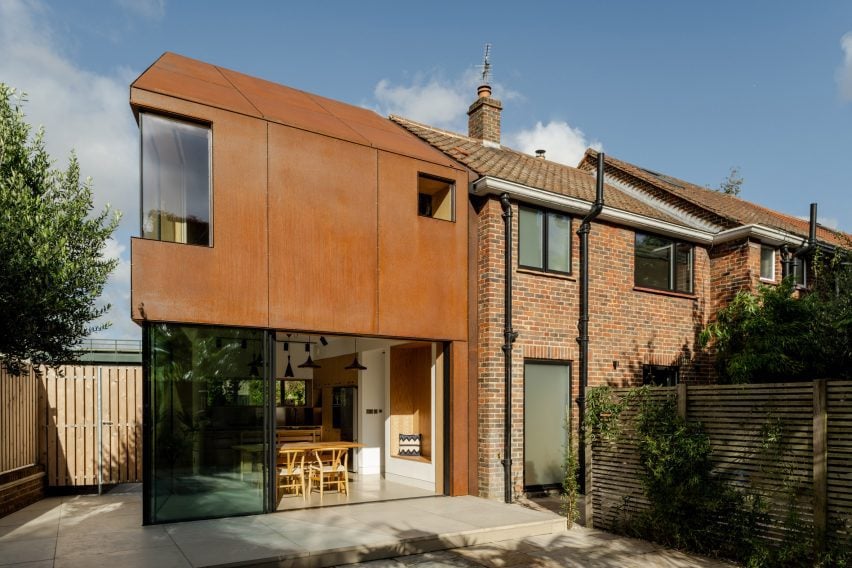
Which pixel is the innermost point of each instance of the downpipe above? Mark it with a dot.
(583, 323)
(509, 337)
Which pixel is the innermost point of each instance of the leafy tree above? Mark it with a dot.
(51, 268)
(733, 182)
(777, 334)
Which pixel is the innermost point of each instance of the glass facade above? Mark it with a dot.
(175, 180)
(547, 399)
(207, 390)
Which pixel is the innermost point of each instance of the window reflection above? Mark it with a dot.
(175, 180)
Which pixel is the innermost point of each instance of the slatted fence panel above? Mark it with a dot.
(839, 398)
(71, 425)
(738, 420)
(617, 491)
(18, 420)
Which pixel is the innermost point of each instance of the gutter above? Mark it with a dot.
(509, 337)
(583, 323)
(494, 186)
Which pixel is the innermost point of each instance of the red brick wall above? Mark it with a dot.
(628, 326)
(16, 494)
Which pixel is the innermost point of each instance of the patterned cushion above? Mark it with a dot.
(409, 444)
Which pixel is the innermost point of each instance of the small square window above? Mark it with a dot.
(660, 375)
(767, 263)
(436, 198)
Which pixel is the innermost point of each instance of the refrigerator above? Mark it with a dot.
(344, 415)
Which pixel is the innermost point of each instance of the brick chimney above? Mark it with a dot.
(483, 120)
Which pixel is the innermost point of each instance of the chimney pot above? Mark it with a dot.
(540, 153)
(484, 91)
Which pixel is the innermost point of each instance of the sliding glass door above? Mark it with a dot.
(207, 451)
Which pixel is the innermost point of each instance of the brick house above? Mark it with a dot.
(305, 222)
(664, 256)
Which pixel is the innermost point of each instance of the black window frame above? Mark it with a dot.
(670, 374)
(672, 285)
(190, 121)
(430, 211)
(545, 240)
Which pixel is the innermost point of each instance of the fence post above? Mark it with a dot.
(589, 515)
(100, 423)
(681, 400)
(820, 473)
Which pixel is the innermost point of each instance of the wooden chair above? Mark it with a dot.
(328, 467)
(291, 472)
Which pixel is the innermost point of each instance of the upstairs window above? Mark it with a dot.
(663, 264)
(544, 240)
(767, 263)
(175, 180)
(436, 198)
(800, 272)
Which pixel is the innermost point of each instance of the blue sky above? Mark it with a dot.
(686, 88)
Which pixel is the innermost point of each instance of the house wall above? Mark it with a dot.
(311, 232)
(627, 326)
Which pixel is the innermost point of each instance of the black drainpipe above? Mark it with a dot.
(509, 337)
(787, 257)
(583, 323)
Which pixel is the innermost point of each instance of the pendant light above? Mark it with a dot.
(309, 363)
(289, 372)
(355, 365)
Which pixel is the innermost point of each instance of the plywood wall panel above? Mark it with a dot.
(322, 241)
(225, 283)
(422, 261)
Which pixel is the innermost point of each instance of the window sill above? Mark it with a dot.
(665, 293)
(555, 275)
(420, 459)
(768, 280)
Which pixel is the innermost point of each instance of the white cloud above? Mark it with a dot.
(435, 100)
(561, 142)
(151, 9)
(844, 72)
(80, 110)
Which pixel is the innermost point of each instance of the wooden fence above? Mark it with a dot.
(18, 420)
(790, 442)
(83, 423)
(92, 423)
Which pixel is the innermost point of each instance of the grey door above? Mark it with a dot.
(547, 396)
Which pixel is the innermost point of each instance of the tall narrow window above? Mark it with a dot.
(175, 180)
(544, 240)
(663, 263)
(767, 263)
(800, 272)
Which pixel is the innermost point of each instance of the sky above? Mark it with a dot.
(685, 88)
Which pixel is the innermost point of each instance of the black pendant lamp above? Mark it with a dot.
(355, 365)
(289, 372)
(309, 363)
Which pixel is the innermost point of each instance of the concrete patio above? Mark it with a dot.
(92, 531)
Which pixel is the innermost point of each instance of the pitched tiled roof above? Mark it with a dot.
(701, 201)
(511, 165)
